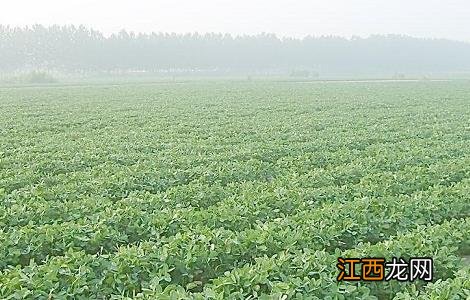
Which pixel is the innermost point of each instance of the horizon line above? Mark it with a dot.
(235, 35)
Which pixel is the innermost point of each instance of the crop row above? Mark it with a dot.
(33, 208)
(203, 252)
(457, 287)
(314, 273)
(145, 270)
(225, 167)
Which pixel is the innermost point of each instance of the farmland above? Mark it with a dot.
(232, 189)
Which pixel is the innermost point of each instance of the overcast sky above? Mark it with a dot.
(297, 18)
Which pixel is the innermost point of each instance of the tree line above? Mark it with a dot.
(81, 49)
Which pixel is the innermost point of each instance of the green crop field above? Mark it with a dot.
(232, 190)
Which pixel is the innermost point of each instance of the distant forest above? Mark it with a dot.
(80, 49)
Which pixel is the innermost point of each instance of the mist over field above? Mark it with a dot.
(77, 49)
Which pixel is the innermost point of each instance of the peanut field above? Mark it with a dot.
(232, 190)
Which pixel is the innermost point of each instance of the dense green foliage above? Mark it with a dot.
(231, 190)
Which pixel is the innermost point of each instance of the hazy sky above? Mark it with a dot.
(422, 18)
